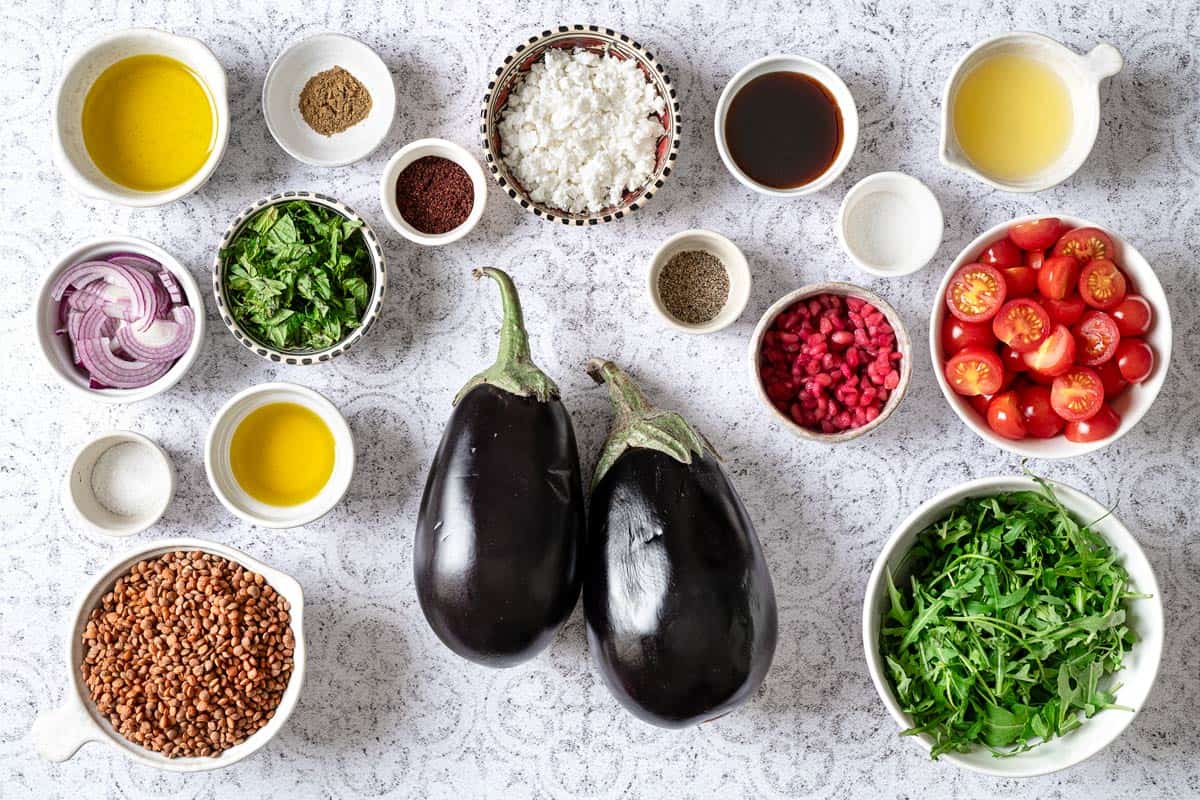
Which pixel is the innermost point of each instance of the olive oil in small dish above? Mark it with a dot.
(279, 455)
(149, 123)
(282, 454)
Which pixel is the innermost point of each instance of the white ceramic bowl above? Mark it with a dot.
(59, 733)
(80, 499)
(1141, 663)
(292, 70)
(827, 78)
(735, 266)
(903, 247)
(420, 149)
(81, 71)
(1131, 405)
(220, 472)
(903, 344)
(1082, 76)
(57, 351)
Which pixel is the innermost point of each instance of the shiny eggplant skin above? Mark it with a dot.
(680, 607)
(500, 530)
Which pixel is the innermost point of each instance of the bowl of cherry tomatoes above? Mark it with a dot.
(1050, 336)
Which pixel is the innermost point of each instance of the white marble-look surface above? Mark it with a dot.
(387, 711)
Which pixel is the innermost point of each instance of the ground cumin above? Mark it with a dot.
(334, 100)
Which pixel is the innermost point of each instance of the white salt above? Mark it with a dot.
(128, 479)
(881, 229)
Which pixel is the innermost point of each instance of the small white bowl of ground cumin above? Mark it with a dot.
(699, 281)
(433, 192)
(329, 100)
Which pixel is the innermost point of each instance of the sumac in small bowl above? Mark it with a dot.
(831, 361)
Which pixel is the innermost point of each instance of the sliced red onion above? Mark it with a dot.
(105, 367)
(126, 319)
(140, 287)
(164, 340)
(172, 286)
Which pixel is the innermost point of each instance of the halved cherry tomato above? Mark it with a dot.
(1004, 416)
(1040, 420)
(976, 292)
(1058, 277)
(975, 371)
(1097, 338)
(1085, 244)
(1055, 355)
(1101, 284)
(1133, 315)
(957, 334)
(1110, 375)
(1077, 394)
(1021, 324)
(1035, 258)
(1135, 360)
(1066, 311)
(1012, 360)
(1022, 281)
(1101, 425)
(1037, 234)
(1001, 253)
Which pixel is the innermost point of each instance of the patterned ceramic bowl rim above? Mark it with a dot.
(531, 50)
(301, 357)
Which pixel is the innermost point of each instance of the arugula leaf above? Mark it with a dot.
(1010, 619)
(297, 276)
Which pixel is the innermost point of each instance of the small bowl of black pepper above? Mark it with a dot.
(433, 192)
(699, 281)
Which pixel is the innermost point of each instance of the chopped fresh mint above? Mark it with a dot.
(297, 276)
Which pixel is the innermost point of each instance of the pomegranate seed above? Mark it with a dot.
(892, 380)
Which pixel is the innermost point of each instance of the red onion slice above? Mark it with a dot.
(105, 367)
(164, 340)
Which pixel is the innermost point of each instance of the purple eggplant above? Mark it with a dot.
(680, 608)
(500, 529)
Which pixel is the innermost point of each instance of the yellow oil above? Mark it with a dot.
(282, 454)
(1012, 116)
(148, 122)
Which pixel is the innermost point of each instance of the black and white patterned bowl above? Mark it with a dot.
(596, 39)
(301, 357)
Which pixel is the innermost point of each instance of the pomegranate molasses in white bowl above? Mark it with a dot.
(786, 126)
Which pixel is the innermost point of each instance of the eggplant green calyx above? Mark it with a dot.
(514, 370)
(640, 424)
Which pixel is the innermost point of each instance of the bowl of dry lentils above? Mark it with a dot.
(186, 655)
(699, 281)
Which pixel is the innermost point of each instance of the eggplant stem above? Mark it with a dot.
(639, 423)
(513, 370)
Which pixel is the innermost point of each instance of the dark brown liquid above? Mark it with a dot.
(783, 129)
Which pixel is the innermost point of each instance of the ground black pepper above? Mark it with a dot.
(694, 286)
(434, 195)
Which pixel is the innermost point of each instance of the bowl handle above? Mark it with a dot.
(59, 733)
(1104, 60)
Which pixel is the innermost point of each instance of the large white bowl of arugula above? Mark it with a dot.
(299, 277)
(1012, 626)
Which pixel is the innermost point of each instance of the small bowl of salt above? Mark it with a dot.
(119, 484)
(890, 224)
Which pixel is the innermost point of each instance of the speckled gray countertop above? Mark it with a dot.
(387, 711)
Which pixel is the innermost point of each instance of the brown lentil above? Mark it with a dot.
(189, 654)
(694, 286)
(434, 195)
(334, 100)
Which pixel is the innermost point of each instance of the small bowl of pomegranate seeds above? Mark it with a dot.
(1050, 336)
(831, 360)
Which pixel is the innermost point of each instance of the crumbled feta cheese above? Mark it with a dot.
(580, 129)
